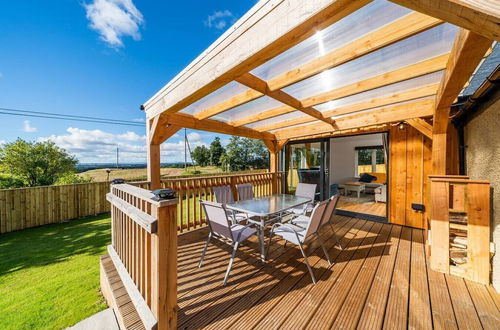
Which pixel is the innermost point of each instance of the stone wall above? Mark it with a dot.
(482, 140)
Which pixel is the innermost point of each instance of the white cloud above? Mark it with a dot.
(2, 142)
(220, 19)
(139, 120)
(96, 146)
(114, 19)
(28, 128)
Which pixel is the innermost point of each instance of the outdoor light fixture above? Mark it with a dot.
(162, 194)
(401, 125)
(118, 181)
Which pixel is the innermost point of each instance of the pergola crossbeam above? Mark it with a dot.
(408, 72)
(260, 85)
(481, 17)
(391, 114)
(408, 95)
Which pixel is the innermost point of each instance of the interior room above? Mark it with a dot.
(357, 169)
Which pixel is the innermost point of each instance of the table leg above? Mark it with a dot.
(261, 239)
(359, 191)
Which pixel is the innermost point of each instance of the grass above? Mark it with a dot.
(49, 276)
(140, 174)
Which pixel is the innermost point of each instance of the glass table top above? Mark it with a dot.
(268, 205)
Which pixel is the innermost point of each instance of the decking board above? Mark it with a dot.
(380, 279)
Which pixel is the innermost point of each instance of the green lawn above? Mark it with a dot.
(49, 276)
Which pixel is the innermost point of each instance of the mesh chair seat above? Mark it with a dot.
(241, 233)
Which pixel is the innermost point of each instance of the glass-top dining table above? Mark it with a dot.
(267, 209)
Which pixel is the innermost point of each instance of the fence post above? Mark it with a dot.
(164, 265)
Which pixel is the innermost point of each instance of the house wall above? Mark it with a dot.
(342, 153)
(409, 166)
(482, 137)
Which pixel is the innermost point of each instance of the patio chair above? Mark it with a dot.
(224, 195)
(245, 191)
(221, 229)
(307, 190)
(328, 215)
(300, 236)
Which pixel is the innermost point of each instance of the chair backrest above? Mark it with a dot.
(307, 190)
(330, 208)
(223, 194)
(217, 219)
(245, 191)
(316, 217)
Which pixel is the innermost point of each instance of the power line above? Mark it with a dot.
(49, 115)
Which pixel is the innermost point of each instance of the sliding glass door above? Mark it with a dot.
(307, 162)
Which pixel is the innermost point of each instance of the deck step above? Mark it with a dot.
(117, 297)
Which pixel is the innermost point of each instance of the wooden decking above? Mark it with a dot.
(373, 208)
(380, 280)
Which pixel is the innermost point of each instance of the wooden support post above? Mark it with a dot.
(154, 166)
(164, 265)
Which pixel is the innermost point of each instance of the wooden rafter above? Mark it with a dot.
(421, 125)
(467, 52)
(408, 72)
(260, 85)
(408, 95)
(188, 121)
(481, 17)
(247, 45)
(398, 30)
(395, 113)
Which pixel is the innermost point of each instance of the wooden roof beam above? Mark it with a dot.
(188, 121)
(260, 85)
(421, 125)
(396, 113)
(408, 95)
(481, 17)
(248, 44)
(386, 35)
(466, 54)
(408, 72)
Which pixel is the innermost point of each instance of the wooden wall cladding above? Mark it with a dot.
(409, 168)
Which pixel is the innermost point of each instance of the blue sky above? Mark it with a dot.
(100, 58)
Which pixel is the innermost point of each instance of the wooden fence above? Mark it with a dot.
(31, 207)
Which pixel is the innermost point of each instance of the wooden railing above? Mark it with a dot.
(191, 190)
(31, 207)
(144, 253)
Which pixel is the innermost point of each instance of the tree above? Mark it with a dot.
(36, 163)
(216, 151)
(201, 155)
(244, 154)
(72, 178)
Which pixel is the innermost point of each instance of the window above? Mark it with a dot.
(369, 160)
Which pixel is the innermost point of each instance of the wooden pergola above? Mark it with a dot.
(295, 69)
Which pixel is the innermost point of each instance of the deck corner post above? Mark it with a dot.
(164, 266)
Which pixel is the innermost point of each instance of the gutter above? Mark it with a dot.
(469, 107)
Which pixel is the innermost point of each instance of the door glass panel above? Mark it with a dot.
(304, 165)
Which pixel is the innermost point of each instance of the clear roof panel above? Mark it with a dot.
(428, 44)
(347, 115)
(220, 95)
(372, 16)
(253, 107)
(277, 119)
(429, 79)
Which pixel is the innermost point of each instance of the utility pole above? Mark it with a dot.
(185, 149)
(117, 158)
